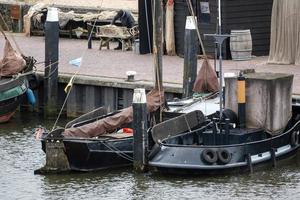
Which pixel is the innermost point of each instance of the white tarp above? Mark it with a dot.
(285, 32)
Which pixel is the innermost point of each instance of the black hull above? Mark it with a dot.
(221, 171)
(185, 154)
(96, 154)
(93, 155)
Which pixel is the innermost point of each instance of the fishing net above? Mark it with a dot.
(207, 80)
(12, 62)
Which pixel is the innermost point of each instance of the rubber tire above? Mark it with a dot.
(294, 138)
(209, 156)
(224, 156)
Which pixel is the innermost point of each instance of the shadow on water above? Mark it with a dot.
(21, 154)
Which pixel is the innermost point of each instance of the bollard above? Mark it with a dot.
(241, 90)
(51, 63)
(140, 137)
(190, 57)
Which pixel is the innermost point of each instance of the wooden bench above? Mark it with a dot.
(109, 33)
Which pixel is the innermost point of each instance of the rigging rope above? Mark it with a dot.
(74, 76)
(190, 6)
(11, 36)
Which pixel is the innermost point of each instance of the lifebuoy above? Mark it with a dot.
(224, 156)
(295, 138)
(209, 156)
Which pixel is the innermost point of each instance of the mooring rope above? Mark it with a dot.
(117, 151)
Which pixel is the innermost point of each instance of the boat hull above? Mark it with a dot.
(190, 158)
(11, 94)
(93, 155)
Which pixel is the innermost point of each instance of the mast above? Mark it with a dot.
(220, 58)
(157, 42)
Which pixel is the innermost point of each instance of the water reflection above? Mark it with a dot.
(20, 155)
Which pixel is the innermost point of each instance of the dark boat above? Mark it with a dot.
(16, 79)
(89, 154)
(195, 144)
(106, 151)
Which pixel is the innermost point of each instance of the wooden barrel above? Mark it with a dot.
(240, 44)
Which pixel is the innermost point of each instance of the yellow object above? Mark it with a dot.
(69, 84)
(241, 92)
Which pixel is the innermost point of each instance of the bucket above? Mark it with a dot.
(137, 46)
(241, 44)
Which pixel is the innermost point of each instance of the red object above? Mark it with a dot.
(6, 117)
(128, 130)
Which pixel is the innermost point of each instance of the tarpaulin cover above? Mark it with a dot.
(285, 32)
(111, 123)
(207, 80)
(12, 62)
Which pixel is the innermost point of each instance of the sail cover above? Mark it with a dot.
(285, 32)
(109, 124)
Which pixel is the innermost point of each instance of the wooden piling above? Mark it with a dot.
(158, 41)
(190, 57)
(51, 63)
(140, 137)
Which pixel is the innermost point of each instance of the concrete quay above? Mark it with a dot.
(107, 69)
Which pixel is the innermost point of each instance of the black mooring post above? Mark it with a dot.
(190, 57)
(51, 62)
(140, 137)
(241, 100)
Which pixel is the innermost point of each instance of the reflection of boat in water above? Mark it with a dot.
(212, 145)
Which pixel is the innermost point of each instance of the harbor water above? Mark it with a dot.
(21, 154)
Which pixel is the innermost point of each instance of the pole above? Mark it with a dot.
(220, 59)
(140, 136)
(89, 27)
(157, 42)
(51, 62)
(190, 57)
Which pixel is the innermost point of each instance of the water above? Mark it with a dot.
(21, 154)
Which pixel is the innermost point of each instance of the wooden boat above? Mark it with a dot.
(16, 78)
(106, 151)
(12, 90)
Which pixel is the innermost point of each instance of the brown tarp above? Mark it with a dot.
(207, 80)
(12, 62)
(111, 123)
(285, 32)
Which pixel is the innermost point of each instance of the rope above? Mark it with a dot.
(147, 22)
(118, 151)
(187, 123)
(12, 37)
(74, 76)
(53, 71)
